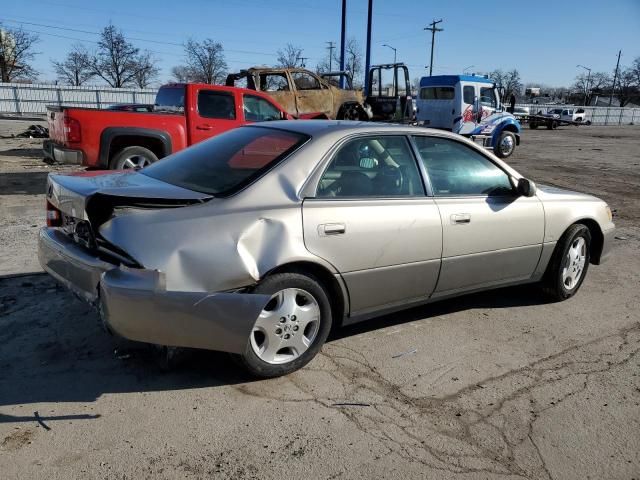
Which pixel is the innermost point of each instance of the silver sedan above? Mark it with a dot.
(256, 242)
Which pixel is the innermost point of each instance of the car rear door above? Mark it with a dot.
(370, 218)
(490, 234)
(212, 112)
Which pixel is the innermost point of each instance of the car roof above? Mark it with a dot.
(341, 128)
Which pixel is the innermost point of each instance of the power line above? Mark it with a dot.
(157, 42)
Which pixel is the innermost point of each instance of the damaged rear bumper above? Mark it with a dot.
(136, 305)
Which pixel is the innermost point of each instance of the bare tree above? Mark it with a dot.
(76, 68)
(635, 68)
(352, 61)
(509, 81)
(146, 71)
(16, 50)
(116, 60)
(205, 63)
(181, 73)
(290, 56)
(627, 88)
(598, 82)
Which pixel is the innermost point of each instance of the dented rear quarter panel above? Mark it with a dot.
(225, 243)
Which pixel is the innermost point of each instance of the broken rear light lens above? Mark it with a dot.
(54, 216)
(72, 129)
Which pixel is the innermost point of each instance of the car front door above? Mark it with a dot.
(370, 218)
(278, 86)
(311, 95)
(490, 234)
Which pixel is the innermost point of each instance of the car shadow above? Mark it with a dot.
(54, 350)
(22, 153)
(23, 183)
(506, 297)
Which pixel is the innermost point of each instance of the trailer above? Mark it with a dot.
(550, 121)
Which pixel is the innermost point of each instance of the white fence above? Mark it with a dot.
(32, 99)
(595, 115)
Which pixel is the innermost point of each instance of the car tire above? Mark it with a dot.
(505, 145)
(569, 264)
(533, 125)
(351, 112)
(133, 157)
(299, 337)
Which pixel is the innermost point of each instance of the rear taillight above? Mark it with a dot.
(72, 129)
(54, 216)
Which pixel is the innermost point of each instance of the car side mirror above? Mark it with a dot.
(526, 187)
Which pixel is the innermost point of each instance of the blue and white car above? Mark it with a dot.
(468, 105)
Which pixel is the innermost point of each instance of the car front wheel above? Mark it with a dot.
(505, 145)
(569, 264)
(291, 328)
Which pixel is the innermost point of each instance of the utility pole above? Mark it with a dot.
(330, 48)
(615, 78)
(302, 61)
(367, 58)
(343, 44)
(433, 30)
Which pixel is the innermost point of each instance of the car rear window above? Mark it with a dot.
(228, 162)
(437, 93)
(170, 99)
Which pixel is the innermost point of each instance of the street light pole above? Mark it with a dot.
(586, 87)
(395, 51)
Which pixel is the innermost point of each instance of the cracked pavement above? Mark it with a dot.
(498, 385)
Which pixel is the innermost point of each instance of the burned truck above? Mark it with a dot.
(302, 93)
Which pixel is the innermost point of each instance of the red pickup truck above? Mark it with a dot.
(183, 114)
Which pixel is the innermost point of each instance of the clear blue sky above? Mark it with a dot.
(543, 39)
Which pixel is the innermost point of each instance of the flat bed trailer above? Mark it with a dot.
(548, 121)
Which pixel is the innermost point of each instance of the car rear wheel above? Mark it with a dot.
(133, 157)
(569, 264)
(291, 328)
(505, 145)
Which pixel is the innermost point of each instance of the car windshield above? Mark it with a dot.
(228, 162)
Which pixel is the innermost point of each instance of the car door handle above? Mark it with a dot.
(332, 229)
(204, 127)
(460, 218)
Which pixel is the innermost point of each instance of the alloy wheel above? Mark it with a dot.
(574, 263)
(286, 327)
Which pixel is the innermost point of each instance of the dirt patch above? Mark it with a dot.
(16, 440)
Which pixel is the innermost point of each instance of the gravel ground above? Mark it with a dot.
(494, 385)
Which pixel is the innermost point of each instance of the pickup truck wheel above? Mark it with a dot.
(505, 145)
(133, 157)
(349, 112)
(291, 328)
(569, 263)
